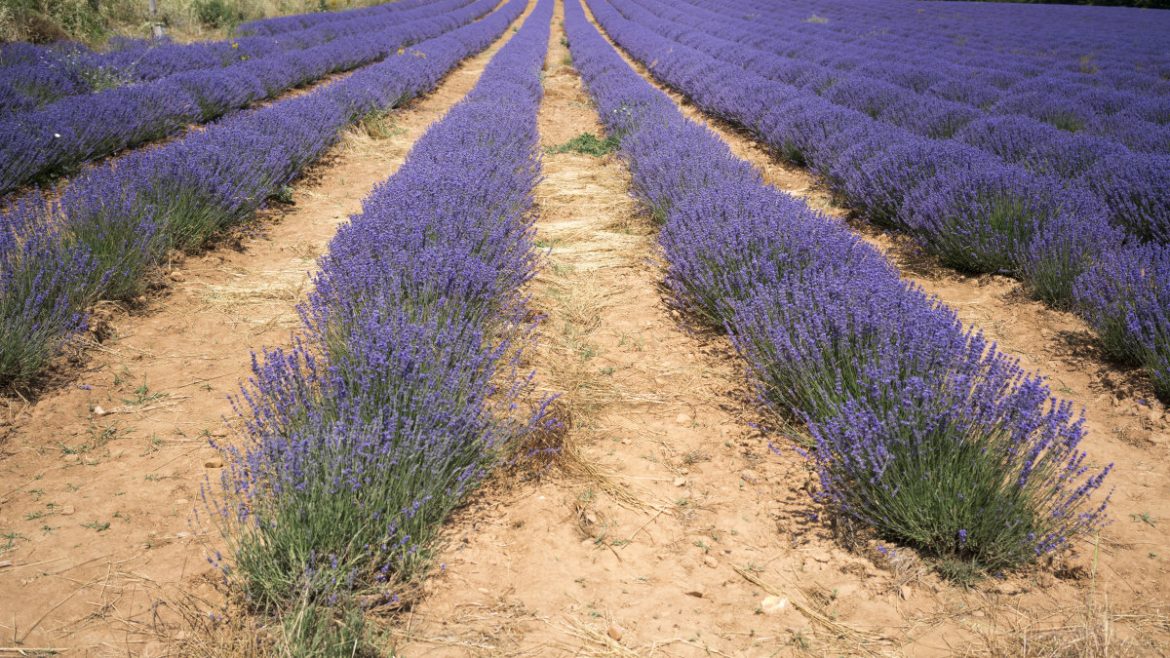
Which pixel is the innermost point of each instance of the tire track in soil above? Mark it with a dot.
(1112, 589)
(631, 548)
(96, 533)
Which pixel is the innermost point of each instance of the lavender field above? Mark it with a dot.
(584, 327)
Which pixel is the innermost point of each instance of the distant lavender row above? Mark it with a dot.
(994, 46)
(1130, 185)
(33, 75)
(77, 129)
(284, 24)
(923, 429)
(974, 210)
(114, 223)
(926, 100)
(361, 439)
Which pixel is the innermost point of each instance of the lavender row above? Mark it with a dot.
(75, 130)
(116, 222)
(361, 439)
(1050, 108)
(973, 210)
(923, 430)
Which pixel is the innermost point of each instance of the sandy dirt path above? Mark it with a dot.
(97, 539)
(1112, 593)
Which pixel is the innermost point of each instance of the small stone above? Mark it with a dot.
(72, 458)
(696, 592)
(614, 632)
(680, 482)
(904, 592)
(98, 411)
(749, 476)
(710, 561)
(67, 510)
(181, 501)
(213, 463)
(587, 542)
(682, 419)
(4, 564)
(978, 613)
(182, 535)
(219, 432)
(772, 605)
(177, 276)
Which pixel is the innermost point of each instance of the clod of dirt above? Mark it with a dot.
(615, 632)
(213, 463)
(710, 561)
(696, 592)
(98, 411)
(177, 276)
(67, 510)
(680, 482)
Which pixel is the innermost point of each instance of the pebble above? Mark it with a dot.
(213, 463)
(682, 419)
(219, 432)
(904, 592)
(772, 605)
(181, 501)
(615, 632)
(68, 510)
(98, 411)
(696, 592)
(749, 476)
(710, 561)
(819, 555)
(177, 276)
(680, 482)
(4, 564)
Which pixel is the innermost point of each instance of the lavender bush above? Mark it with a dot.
(45, 282)
(922, 429)
(1125, 296)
